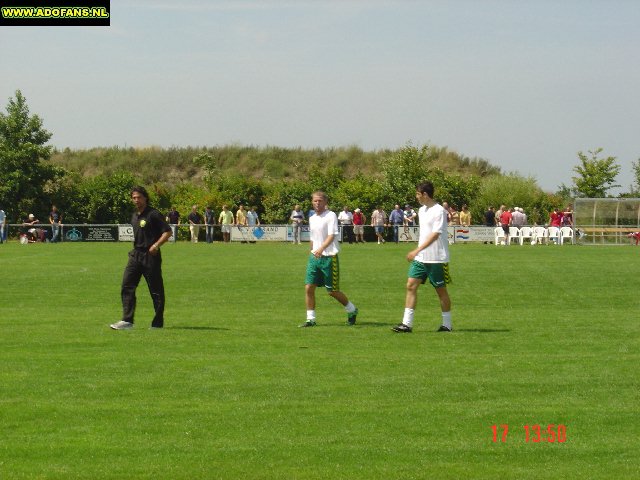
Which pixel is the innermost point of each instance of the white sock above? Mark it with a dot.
(446, 320)
(350, 307)
(311, 315)
(407, 319)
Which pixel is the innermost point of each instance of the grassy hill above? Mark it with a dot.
(176, 164)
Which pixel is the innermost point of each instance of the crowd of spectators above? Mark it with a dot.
(352, 222)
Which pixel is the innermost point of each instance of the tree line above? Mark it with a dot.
(92, 186)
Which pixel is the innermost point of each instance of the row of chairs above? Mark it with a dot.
(535, 235)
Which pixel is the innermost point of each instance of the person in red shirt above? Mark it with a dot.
(505, 223)
(358, 225)
(555, 218)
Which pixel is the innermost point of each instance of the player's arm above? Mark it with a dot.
(328, 241)
(164, 238)
(428, 241)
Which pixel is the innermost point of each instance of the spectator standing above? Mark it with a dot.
(454, 215)
(505, 222)
(430, 260)
(323, 267)
(567, 217)
(195, 220)
(209, 222)
(252, 221)
(378, 222)
(410, 216)
(252, 217)
(55, 219)
(241, 216)
(297, 219)
(225, 219)
(490, 217)
(499, 214)
(465, 216)
(346, 220)
(359, 220)
(555, 218)
(3, 222)
(517, 218)
(150, 231)
(523, 215)
(445, 205)
(396, 219)
(173, 218)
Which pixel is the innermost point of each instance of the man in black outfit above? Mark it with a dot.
(489, 219)
(150, 231)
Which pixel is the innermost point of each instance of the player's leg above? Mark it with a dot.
(410, 302)
(440, 278)
(330, 268)
(411, 296)
(153, 275)
(130, 280)
(311, 281)
(310, 297)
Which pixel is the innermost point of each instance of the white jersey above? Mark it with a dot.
(320, 227)
(433, 219)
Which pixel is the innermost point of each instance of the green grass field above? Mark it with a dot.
(231, 388)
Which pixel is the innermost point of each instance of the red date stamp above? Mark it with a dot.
(550, 433)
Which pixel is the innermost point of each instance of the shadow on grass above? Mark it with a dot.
(358, 324)
(196, 328)
(482, 330)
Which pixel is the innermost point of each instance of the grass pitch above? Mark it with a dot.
(231, 388)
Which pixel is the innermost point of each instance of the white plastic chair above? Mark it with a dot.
(525, 233)
(553, 233)
(514, 235)
(499, 235)
(539, 235)
(566, 232)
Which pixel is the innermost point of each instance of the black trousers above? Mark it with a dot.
(347, 230)
(150, 266)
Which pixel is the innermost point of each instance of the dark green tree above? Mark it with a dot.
(404, 170)
(105, 199)
(23, 152)
(595, 175)
(281, 197)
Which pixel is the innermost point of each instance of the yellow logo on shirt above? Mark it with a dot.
(143, 223)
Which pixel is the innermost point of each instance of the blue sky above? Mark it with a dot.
(523, 84)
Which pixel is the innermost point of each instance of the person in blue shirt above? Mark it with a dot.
(396, 219)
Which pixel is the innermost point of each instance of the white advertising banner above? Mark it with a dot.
(304, 233)
(473, 234)
(125, 233)
(266, 233)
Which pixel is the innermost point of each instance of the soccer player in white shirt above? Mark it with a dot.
(323, 267)
(430, 260)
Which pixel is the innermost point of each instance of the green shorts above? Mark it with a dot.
(324, 271)
(437, 273)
